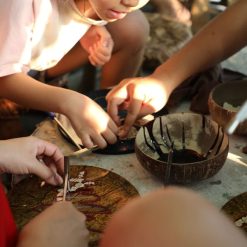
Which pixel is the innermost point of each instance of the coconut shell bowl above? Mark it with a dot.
(182, 148)
(224, 102)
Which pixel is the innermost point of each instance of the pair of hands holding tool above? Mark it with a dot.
(31, 155)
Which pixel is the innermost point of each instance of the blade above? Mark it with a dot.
(67, 133)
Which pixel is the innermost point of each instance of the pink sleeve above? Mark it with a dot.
(16, 23)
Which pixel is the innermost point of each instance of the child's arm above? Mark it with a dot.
(31, 155)
(89, 120)
(99, 44)
(221, 38)
(218, 40)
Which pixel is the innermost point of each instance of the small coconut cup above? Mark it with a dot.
(199, 145)
(224, 102)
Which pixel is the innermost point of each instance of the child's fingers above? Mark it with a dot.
(98, 57)
(99, 140)
(100, 54)
(99, 49)
(105, 37)
(98, 60)
(92, 61)
(93, 139)
(107, 45)
(110, 136)
(48, 173)
(86, 140)
(103, 50)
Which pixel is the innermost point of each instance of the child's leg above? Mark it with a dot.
(129, 35)
(171, 217)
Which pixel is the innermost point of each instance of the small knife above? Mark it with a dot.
(66, 186)
(52, 115)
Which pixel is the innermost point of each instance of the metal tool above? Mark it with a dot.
(66, 186)
(52, 115)
(238, 118)
(81, 150)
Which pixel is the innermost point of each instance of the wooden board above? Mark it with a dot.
(236, 208)
(98, 202)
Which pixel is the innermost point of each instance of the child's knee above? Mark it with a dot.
(138, 34)
(130, 33)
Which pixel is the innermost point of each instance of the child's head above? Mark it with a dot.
(112, 10)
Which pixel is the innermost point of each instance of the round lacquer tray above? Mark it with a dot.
(103, 193)
(236, 208)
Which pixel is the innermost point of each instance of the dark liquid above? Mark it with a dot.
(183, 156)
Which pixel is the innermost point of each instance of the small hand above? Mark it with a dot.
(91, 123)
(32, 155)
(139, 96)
(99, 44)
(60, 225)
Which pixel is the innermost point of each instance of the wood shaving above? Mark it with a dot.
(42, 184)
(230, 107)
(240, 222)
(78, 183)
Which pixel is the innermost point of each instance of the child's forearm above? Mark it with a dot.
(222, 37)
(34, 94)
(77, 107)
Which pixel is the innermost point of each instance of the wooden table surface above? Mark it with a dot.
(230, 181)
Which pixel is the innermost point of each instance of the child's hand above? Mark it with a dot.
(99, 44)
(60, 225)
(139, 96)
(31, 155)
(90, 122)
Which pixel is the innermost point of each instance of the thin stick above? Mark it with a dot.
(66, 177)
(168, 167)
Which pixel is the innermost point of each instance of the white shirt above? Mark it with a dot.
(36, 34)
